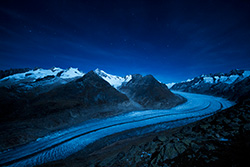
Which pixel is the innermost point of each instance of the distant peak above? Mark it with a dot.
(150, 79)
(37, 68)
(134, 76)
(236, 72)
(71, 68)
(113, 80)
(98, 71)
(149, 76)
(91, 73)
(53, 69)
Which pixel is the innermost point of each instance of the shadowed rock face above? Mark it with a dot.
(85, 92)
(150, 93)
(90, 90)
(5, 73)
(239, 91)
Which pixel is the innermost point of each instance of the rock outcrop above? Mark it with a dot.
(5, 73)
(88, 91)
(150, 93)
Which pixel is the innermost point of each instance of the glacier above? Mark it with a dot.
(63, 143)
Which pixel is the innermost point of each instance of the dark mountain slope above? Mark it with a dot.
(150, 93)
(5, 73)
(88, 91)
(239, 91)
(26, 116)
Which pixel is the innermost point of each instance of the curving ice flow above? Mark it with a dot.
(61, 144)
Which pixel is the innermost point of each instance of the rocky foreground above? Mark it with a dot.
(219, 140)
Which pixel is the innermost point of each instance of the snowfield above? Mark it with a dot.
(41, 73)
(58, 75)
(113, 80)
(62, 144)
(234, 77)
(169, 85)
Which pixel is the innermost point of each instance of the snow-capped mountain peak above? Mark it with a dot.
(71, 73)
(40, 73)
(213, 81)
(55, 69)
(169, 85)
(40, 76)
(113, 80)
(232, 77)
(227, 78)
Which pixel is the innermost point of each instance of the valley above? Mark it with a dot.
(64, 143)
(60, 118)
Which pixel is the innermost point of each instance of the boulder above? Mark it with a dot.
(170, 152)
(180, 147)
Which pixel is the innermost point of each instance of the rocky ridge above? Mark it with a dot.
(6, 73)
(230, 85)
(113, 80)
(150, 93)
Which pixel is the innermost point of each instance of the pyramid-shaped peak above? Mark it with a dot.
(91, 74)
(149, 77)
(99, 71)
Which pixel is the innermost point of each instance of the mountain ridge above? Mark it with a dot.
(39, 101)
(113, 80)
(149, 92)
(218, 84)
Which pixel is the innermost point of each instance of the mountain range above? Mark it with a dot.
(233, 85)
(36, 102)
(45, 100)
(72, 88)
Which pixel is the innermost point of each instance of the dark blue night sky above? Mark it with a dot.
(170, 39)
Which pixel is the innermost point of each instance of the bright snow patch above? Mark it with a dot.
(228, 79)
(231, 79)
(223, 78)
(246, 74)
(170, 85)
(71, 73)
(208, 79)
(189, 80)
(32, 75)
(113, 80)
(216, 79)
